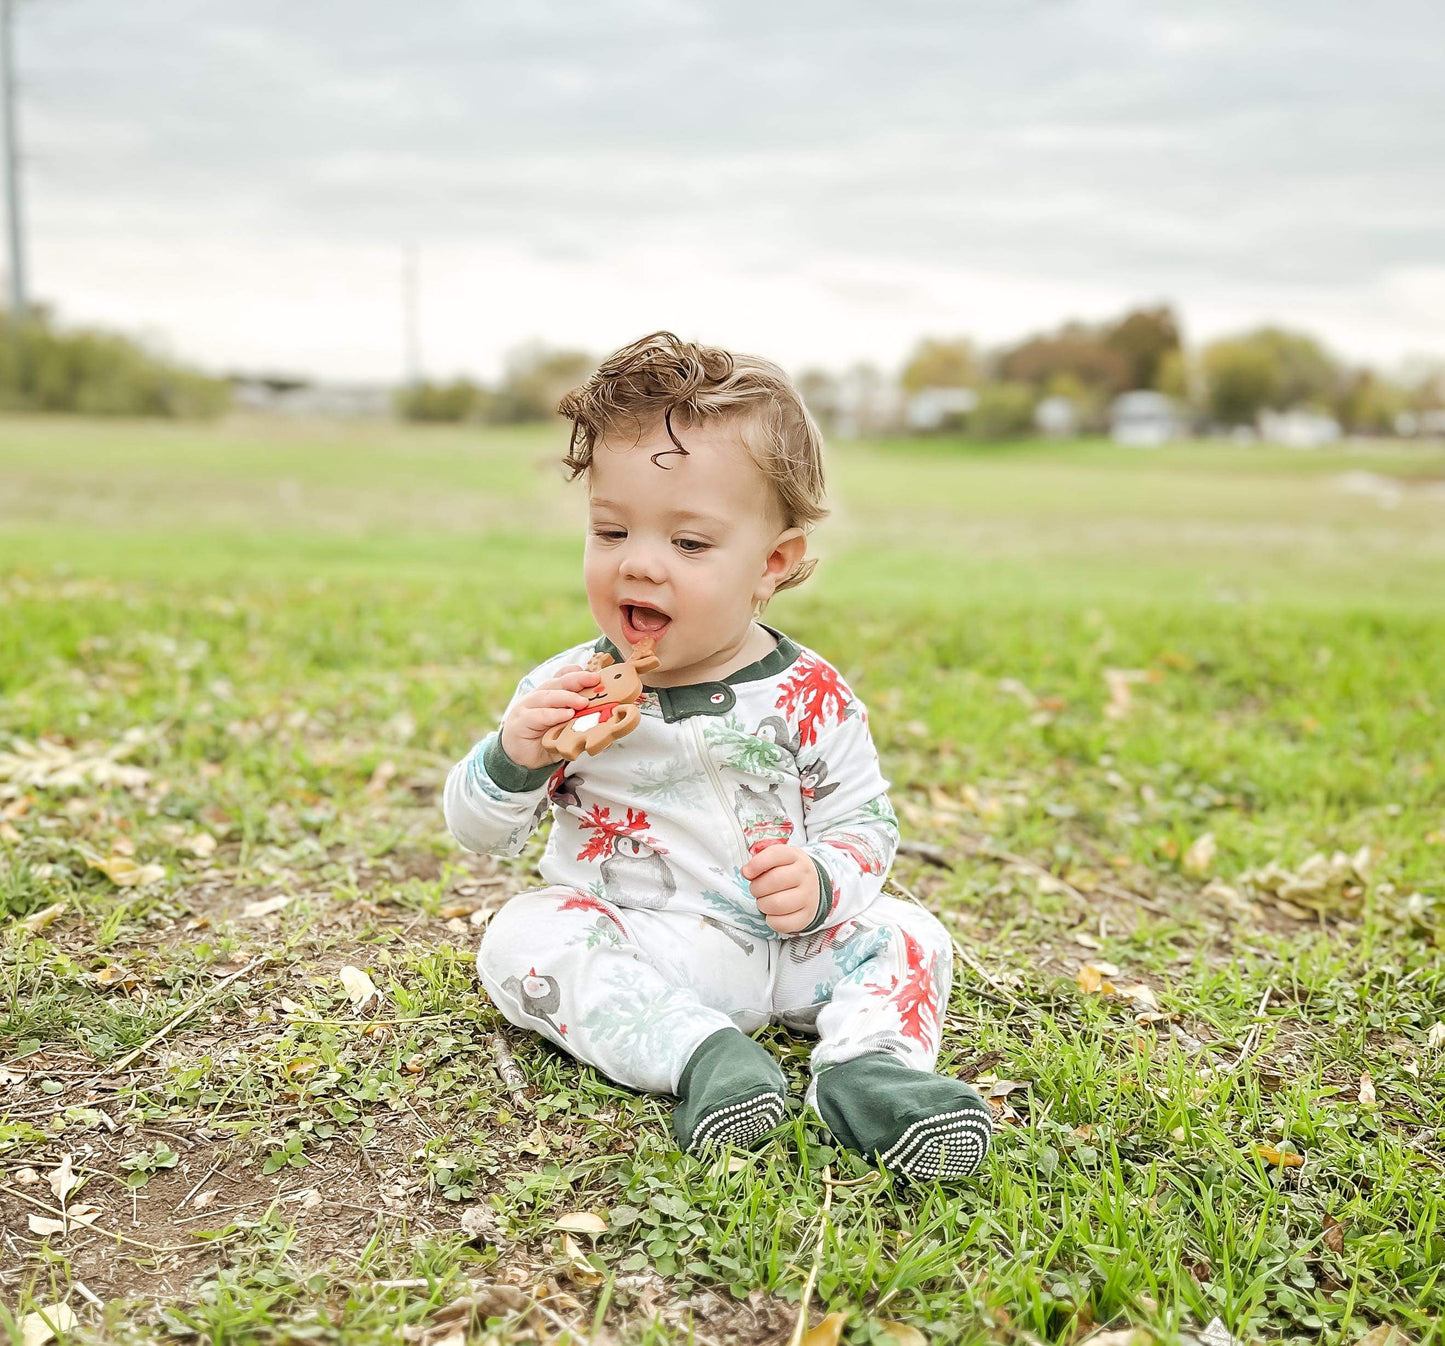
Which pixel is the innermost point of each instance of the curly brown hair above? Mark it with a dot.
(682, 383)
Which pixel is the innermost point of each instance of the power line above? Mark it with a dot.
(19, 300)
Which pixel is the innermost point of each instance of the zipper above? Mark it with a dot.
(710, 768)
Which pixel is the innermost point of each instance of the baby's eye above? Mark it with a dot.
(610, 534)
(691, 545)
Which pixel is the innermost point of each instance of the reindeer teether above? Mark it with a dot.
(611, 711)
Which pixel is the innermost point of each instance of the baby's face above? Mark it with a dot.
(680, 552)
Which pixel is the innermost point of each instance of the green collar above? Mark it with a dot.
(714, 698)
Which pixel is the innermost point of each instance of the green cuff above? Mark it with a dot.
(825, 898)
(507, 774)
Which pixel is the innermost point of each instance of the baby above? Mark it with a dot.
(721, 867)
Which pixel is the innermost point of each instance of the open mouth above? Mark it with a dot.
(639, 621)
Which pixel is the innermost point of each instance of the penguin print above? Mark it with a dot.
(635, 875)
(811, 778)
(539, 996)
(762, 816)
(562, 788)
(775, 729)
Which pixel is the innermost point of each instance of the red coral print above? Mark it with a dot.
(858, 850)
(606, 829)
(586, 902)
(808, 693)
(916, 999)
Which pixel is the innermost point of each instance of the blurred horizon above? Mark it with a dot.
(243, 186)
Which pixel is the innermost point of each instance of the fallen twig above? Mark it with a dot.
(118, 1066)
(508, 1069)
(97, 1229)
(925, 851)
(801, 1326)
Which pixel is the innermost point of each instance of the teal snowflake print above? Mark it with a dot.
(733, 746)
(670, 784)
(633, 1019)
(742, 917)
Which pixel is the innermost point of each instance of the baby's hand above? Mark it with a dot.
(549, 703)
(784, 881)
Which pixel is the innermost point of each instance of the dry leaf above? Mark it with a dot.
(63, 1179)
(1216, 1334)
(202, 845)
(51, 765)
(359, 987)
(1199, 858)
(27, 1176)
(1003, 1088)
(1121, 1336)
(1140, 995)
(1320, 884)
(1386, 1334)
(1094, 977)
(41, 1326)
(1436, 1036)
(122, 871)
(581, 1270)
(827, 1333)
(43, 1225)
(38, 920)
(1280, 1158)
(265, 906)
(1367, 1090)
(205, 1198)
(1086, 940)
(1121, 682)
(303, 1067)
(1334, 1234)
(902, 1334)
(581, 1222)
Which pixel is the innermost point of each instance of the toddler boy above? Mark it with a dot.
(720, 867)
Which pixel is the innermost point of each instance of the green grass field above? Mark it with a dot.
(1123, 697)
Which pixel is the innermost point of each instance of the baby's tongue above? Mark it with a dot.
(648, 619)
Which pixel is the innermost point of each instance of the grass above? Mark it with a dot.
(290, 632)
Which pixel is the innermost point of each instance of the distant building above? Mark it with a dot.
(1145, 420)
(1298, 429)
(279, 397)
(1057, 417)
(864, 403)
(937, 408)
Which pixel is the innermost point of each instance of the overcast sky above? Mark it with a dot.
(240, 179)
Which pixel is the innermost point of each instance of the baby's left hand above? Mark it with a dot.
(784, 881)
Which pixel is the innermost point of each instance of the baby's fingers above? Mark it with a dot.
(574, 680)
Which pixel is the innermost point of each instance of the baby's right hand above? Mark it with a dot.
(549, 703)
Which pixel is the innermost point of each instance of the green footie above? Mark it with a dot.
(731, 1093)
(919, 1125)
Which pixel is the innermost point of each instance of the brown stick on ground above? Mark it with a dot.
(508, 1069)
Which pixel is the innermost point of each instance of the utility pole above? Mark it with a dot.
(411, 302)
(19, 300)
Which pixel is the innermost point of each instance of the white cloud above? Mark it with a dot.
(818, 181)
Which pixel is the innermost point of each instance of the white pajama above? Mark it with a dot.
(647, 938)
(634, 992)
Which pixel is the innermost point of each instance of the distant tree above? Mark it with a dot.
(1270, 368)
(459, 400)
(534, 381)
(1076, 350)
(1370, 403)
(1144, 340)
(97, 373)
(1004, 411)
(941, 364)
